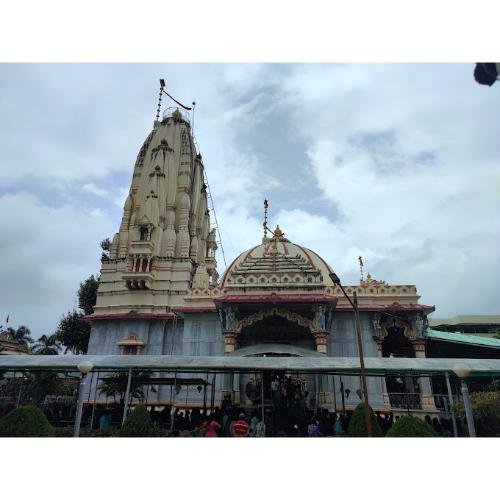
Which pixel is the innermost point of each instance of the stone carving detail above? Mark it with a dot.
(320, 317)
(376, 324)
(185, 149)
(228, 319)
(277, 311)
(396, 322)
(142, 153)
(421, 324)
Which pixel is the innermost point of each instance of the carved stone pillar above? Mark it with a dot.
(426, 394)
(230, 341)
(321, 341)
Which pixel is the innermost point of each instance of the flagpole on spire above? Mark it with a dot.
(361, 267)
(162, 84)
(264, 224)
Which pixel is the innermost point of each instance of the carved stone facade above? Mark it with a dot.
(160, 291)
(164, 242)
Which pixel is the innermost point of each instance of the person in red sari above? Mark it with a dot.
(212, 428)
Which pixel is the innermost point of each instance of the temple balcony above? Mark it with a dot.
(141, 247)
(138, 280)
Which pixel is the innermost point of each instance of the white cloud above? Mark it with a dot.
(415, 181)
(93, 189)
(46, 252)
(397, 163)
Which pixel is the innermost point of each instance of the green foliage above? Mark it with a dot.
(87, 294)
(25, 421)
(73, 332)
(115, 386)
(138, 424)
(22, 335)
(410, 426)
(41, 384)
(486, 408)
(84, 432)
(106, 244)
(48, 345)
(357, 423)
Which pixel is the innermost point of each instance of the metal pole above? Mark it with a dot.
(334, 395)
(205, 394)
(262, 397)
(450, 398)
(342, 394)
(91, 381)
(20, 391)
(79, 407)
(127, 395)
(212, 396)
(468, 409)
(95, 397)
(362, 366)
(172, 409)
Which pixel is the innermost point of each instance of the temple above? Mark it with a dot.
(160, 294)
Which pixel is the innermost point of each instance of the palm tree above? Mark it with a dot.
(22, 335)
(47, 345)
(116, 385)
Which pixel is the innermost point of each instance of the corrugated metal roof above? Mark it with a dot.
(464, 338)
(240, 364)
(483, 319)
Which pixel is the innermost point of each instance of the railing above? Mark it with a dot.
(406, 400)
(174, 109)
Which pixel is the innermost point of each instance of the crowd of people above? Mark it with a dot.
(236, 421)
(286, 415)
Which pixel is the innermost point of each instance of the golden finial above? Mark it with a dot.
(278, 233)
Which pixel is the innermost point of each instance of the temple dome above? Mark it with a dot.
(277, 264)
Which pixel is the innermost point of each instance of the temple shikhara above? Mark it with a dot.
(160, 294)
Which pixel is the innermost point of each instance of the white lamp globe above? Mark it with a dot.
(85, 367)
(462, 370)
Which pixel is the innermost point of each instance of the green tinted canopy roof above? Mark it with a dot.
(462, 338)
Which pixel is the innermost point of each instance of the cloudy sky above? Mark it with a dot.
(398, 163)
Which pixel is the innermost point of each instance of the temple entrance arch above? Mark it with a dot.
(276, 329)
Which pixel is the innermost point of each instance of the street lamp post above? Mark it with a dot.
(354, 304)
(84, 367)
(463, 371)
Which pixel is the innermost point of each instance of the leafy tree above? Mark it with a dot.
(25, 421)
(116, 385)
(47, 345)
(73, 332)
(486, 411)
(138, 424)
(87, 294)
(106, 247)
(38, 385)
(357, 423)
(410, 426)
(22, 335)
